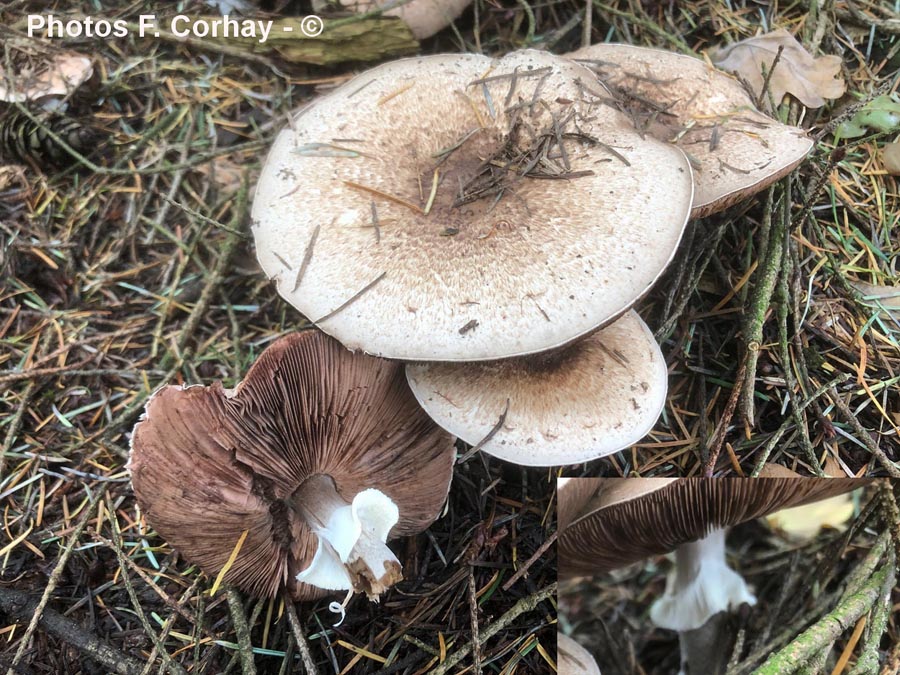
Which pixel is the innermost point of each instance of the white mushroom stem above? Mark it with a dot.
(351, 552)
(701, 587)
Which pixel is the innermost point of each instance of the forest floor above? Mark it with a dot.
(129, 264)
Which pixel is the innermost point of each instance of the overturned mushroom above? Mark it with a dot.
(735, 149)
(463, 208)
(584, 401)
(301, 473)
(622, 521)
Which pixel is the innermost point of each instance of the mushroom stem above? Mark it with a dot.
(351, 553)
(699, 593)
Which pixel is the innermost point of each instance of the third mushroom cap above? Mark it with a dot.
(736, 149)
(462, 208)
(587, 400)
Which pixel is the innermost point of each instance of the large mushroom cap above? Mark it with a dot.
(587, 400)
(208, 464)
(630, 519)
(573, 659)
(735, 149)
(462, 208)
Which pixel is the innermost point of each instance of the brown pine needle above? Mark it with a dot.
(384, 195)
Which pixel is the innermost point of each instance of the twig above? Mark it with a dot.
(490, 434)
(773, 440)
(770, 252)
(241, 630)
(715, 447)
(764, 92)
(829, 628)
(588, 21)
(20, 606)
(168, 624)
(172, 665)
(163, 168)
(792, 387)
(15, 424)
(863, 435)
(52, 582)
(890, 513)
(297, 630)
(187, 614)
(869, 653)
(863, 571)
(528, 563)
(473, 621)
(356, 296)
(524, 605)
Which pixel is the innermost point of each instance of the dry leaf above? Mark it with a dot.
(832, 468)
(770, 470)
(885, 298)
(12, 177)
(811, 80)
(890, 158)
(227, 171)
(59, 77)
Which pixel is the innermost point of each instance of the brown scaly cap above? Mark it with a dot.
(208, 463)
(476, 208)
(584, 401)
(630, 519)
(736, 150)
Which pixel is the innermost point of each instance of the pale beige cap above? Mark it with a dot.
(573, 659)
(366, 213)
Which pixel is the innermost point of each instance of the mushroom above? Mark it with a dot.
(424, 17)
(735, 149)
(627, 520)
(297, 477)
(573, 659)
(464, 208)
(584, 401)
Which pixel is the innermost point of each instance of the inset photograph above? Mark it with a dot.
(736, 576)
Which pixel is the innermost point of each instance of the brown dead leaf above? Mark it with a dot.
(12, 176)
(885, 298)
(770, 470)
(890, 158)
(226, 172)
(59, 75)
(809, 79)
